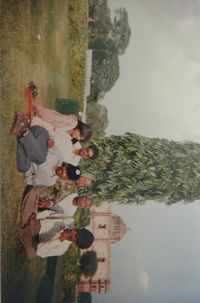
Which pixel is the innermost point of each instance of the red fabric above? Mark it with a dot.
(28, 102)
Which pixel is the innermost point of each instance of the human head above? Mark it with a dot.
(85, 179)
(82, 202)
(68, 172)
(85, 238)
(82, 131)
(90, 152)
(82, 237)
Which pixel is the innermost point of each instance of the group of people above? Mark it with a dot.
(48, 153)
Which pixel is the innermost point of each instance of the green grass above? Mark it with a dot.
(78, 42)
(56, 64)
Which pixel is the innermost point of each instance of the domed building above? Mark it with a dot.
(107, 229)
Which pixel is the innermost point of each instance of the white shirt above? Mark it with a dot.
(53, 247)
(44, 174)
(57, 218)
(62, 140)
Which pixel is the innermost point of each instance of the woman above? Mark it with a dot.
(53, 121)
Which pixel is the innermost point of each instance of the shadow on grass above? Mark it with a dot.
(45, 291)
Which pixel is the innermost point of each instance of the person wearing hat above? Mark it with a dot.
(61, 189)
(49, 172)
(59, 243)
(48, 196)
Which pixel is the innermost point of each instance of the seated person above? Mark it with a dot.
(38, 157)
(47, 196)
(59, 244)
(87, 152)
(68, 142)
(60, 215)
(70, 123)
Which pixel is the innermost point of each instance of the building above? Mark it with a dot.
(107, 229)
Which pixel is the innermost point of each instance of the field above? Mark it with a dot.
(44, 41)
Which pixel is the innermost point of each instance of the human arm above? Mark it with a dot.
(51, 248)
(47, 203)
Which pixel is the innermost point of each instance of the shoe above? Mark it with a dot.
(19, 125)
(34, 89)
(36, 239)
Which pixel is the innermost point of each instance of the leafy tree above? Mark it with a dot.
(108, 38)
(121, 30)
(82, 217)
(97, 116)
(132, 169)
(84, 297)
(105, 73)
(88, 263)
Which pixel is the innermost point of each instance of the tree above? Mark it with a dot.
(121, 31)
(84, 297)
(132, 169)
(109, 39)
(88, 263)
(97, 116)
(105, 73)
(82, 217)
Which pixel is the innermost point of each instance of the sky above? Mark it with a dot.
(157, 95)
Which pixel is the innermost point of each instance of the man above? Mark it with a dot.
(56, 245)
(59, 244)
(45, 196)
(32, 144)
(50, 171)
(60, 216)
(89, 152)
(61, 189)
(38, 157)
(71, 153)
(67, 206)
(44, 226)
(54, 218)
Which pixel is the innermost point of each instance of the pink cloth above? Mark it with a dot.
(29, 229)
(56, 119)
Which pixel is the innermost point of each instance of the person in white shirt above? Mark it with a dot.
(59, 243)
(45, 225)
(71, 153)
(37, 155)
(59, 216)
(47, 173)
(87, 152)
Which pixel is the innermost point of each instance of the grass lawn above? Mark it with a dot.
(42, 41)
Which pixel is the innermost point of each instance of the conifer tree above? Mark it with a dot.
(133, 169)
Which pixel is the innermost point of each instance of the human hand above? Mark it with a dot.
(50, 143)
(63, 236)
(45, 203)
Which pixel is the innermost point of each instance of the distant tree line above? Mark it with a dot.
(109, 39)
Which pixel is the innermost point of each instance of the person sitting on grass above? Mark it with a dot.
(59, 244)
(60, 216)
(44, 225)
(68, 141)
(47, 196)
(38, 157)
(53, 120)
